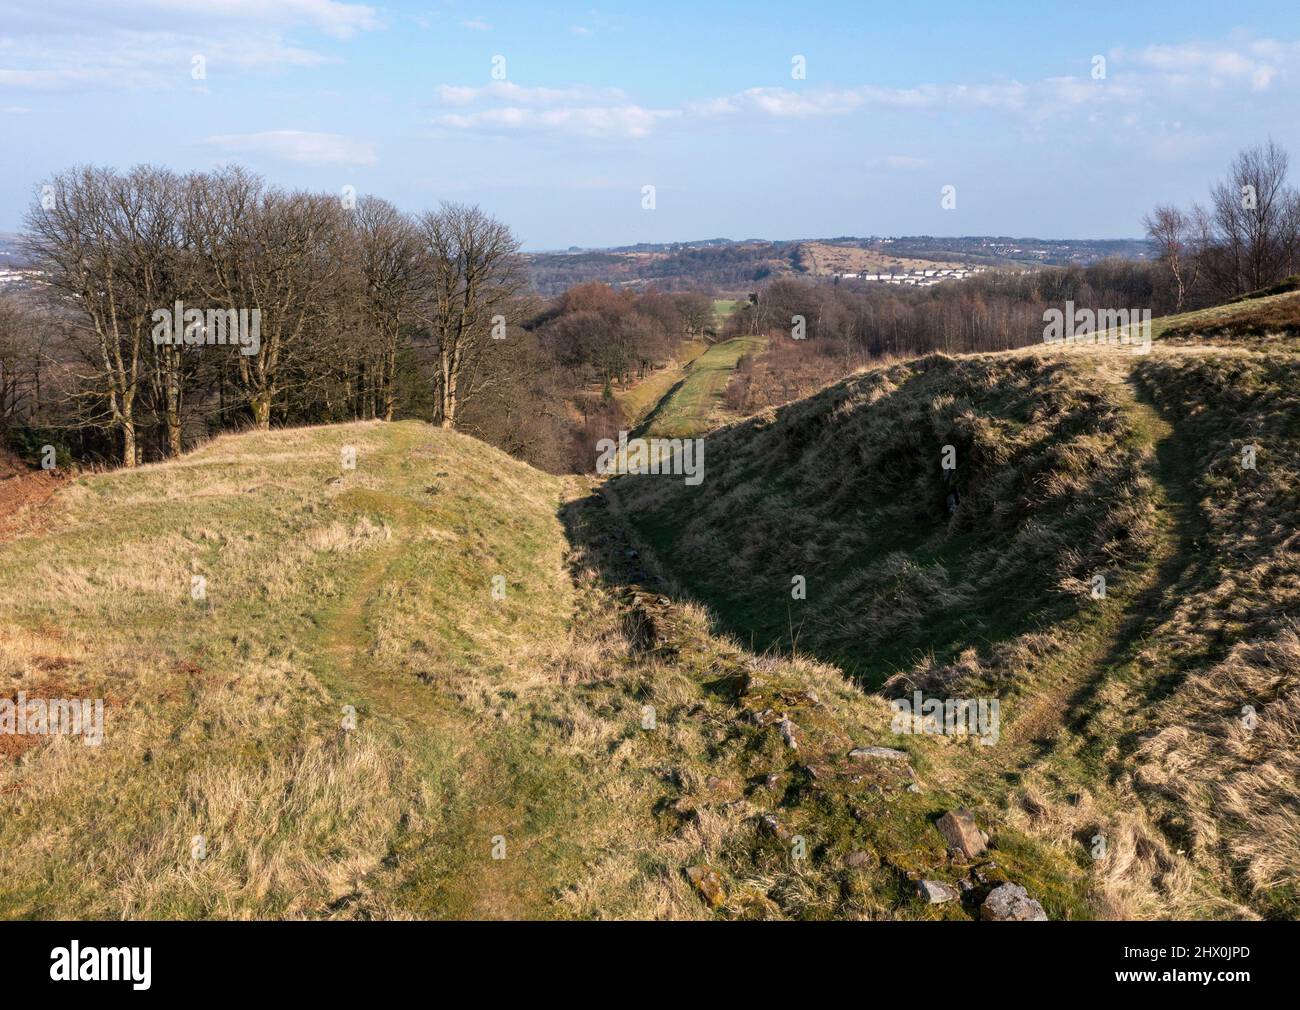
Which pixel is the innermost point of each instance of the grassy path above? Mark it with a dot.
(691, 406)
(474, 775)
(641, 398)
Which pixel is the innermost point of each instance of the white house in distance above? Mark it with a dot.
(919, 277)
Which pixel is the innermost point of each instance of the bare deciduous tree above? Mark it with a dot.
(1255, 220)
(1179, 239)
(387, 248)
(471, 274)
(77, 237)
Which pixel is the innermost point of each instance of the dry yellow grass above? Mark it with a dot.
(522, 715)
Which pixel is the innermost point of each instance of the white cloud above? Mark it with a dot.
(507, 91)
(591, 121)
(504, 106)
(899, 161)
(153, 61)
(1255, 62)
(787, 103)
(69, 45)
(1137, 79)
(298, 146)
(476, 25)
(82, 17)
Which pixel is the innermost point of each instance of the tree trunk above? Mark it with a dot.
(390, 384)
(173, 408)
(128, 443)
(262, 411)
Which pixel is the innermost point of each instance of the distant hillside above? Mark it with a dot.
(11, 254)
(735, 268)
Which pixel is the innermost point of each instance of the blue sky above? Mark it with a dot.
(696, 99)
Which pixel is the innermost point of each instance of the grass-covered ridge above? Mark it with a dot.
(224, 715)
(545, 662)
(904, 560)
(478, 719)
(1269, 317)
(1220, 762)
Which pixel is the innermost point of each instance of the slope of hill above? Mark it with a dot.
(444, 684)
(324, 587)
(1125, 713)
(598, 737)
(846, 489)
(1262, 318)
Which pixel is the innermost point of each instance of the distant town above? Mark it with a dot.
(920, 278)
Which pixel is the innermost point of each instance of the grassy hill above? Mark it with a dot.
(1123, 715)
(399, 672)
(1268, 317)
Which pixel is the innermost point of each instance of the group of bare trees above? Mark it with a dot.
(1247, 239)
(614, 335)
(355, 305)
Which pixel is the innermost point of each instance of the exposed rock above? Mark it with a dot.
(708, 883)
(877, 754)
(787, 734)
(935, 892)
(769, 825)
(962, 833)
(1011, 903)
(859, 860)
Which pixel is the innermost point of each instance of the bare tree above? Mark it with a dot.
(77, 234)
(23, 335)
(387, 247)
(1178, 239)
(471, 274)
(697, 312)
(148, 206)
(1255, 217)
(275, 253)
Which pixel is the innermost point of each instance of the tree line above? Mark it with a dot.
(356, 310)
(359, 309)
(1247, 238)
(992, 311)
